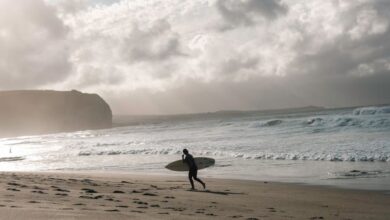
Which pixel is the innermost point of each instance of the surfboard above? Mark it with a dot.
(201, 162)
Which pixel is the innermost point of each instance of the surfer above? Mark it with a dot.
(193, 169)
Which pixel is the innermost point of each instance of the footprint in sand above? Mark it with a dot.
(163, 213)
(211, 214)
(38, 188)
(149, 194)
(61, 190)
(271, 209)
(122, 206)
(38, 191)
(33, 201)
(111, 210)
(236, 216)
(155, 206)
(13, 189)
(61, 194)
(175, 209)
(17, 185)
(86, 190)
(136, 211)
(88, 197)
(79, 204)
(91, 197)
(118, 191)
(126, 182)
(14, 206)
(140, 203)
(252, 219)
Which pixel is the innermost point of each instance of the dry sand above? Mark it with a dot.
(121, 196)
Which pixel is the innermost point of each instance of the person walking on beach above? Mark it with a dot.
(193, 169)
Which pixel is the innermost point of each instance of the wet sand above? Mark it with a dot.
(124, 196)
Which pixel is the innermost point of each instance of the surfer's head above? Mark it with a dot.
(185, 151)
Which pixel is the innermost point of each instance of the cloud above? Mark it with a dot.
(130, 53)
(260, 53)
(69, 6)
(33, 48)
(159, 43)
(247, 12)
(356, 38)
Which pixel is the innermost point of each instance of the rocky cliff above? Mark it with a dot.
(38, 112)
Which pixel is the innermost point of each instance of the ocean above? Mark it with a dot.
(348, 148)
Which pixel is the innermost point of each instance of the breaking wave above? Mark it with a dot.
(369, 157)
(372, 110)
(368, 117)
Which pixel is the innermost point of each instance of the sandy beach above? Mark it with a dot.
(124, 196)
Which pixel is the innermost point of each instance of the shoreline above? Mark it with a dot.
(183, 175)
(102, 195)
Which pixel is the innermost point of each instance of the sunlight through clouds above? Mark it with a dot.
(158, 46)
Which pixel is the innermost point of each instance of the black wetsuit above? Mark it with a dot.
(193, 170)
(191, 165)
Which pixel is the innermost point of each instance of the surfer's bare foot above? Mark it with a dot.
(204, 185)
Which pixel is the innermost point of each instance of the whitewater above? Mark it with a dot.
(347, 147)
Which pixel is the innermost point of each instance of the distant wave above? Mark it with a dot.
(372, 110)
(371, 157)
(267, 123)
(349, 121)
(368, 117)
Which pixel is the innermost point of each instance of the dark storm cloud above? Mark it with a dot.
(32, 45)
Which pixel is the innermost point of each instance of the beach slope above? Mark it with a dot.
(122, 196)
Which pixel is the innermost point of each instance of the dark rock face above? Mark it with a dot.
(38, 112)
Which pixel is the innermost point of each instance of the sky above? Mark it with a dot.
(187, 56)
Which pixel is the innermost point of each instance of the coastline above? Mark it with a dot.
(98, 195)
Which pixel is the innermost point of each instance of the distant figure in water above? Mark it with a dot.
(193, 169)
